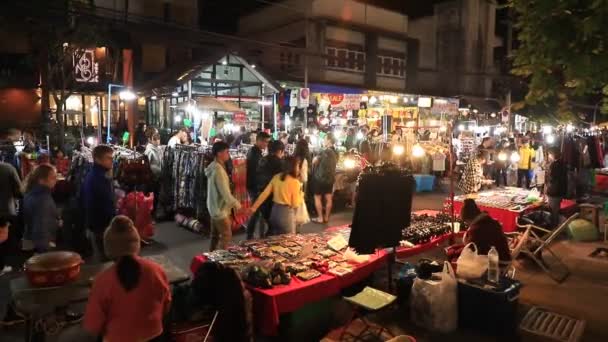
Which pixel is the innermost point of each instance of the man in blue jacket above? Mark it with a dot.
(98, 197)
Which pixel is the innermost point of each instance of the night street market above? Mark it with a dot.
(303, 170)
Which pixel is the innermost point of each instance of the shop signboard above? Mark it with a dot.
(341, 101)
(304, 100)
(86, 68)
(505, 115)
(239, 117)
(293, 98)
(445, 106)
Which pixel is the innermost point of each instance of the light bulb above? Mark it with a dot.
(177, 118)
(502, 156)
(550, 139)
(360, 136)
(398, 150)
(91, 141)
(349, 163)
(461, 127)
(417, 151)
(514, 157)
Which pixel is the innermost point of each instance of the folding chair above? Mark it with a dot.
(517, 241)
(368, 301)
(534, 240)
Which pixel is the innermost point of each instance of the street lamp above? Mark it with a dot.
(125, 95)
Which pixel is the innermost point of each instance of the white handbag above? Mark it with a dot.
(302, 216)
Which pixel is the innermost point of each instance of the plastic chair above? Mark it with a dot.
(365, 302)
(534, 240)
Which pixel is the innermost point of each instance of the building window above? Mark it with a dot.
(345, 59)
(391, 66)
(289, 60)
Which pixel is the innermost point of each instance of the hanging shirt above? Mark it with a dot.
(438, 161)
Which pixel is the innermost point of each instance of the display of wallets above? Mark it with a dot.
(308, 275)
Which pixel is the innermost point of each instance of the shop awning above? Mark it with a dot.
(213, 104)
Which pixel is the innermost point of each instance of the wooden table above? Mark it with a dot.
(37, 302)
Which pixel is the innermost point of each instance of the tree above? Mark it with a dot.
(59, 31)
(562, 52)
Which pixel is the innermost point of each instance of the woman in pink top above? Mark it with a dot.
(129, 299)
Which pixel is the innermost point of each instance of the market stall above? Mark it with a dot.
(506, 204)
(310, 271)
(314, 269)
(184, 184)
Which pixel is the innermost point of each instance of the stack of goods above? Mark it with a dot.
(273, 261)
(424, 228)
(507, 198)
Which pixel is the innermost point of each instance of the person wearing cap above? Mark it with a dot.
(129, 299)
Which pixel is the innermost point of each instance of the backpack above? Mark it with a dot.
(326, 170)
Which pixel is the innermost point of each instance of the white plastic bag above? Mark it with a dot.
(470, 264)
(434, 302)
(302, 216)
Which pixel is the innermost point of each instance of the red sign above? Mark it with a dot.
(335, 99)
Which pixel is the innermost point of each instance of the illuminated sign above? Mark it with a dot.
(86, 69)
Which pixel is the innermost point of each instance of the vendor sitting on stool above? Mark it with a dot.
(484, 231)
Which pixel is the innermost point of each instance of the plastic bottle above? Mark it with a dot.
(493, 266)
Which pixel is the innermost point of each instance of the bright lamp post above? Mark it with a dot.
(125, 95)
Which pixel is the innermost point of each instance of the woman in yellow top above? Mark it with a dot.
(287, 196)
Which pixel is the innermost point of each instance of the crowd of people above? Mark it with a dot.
(490, 165)
(276, 184)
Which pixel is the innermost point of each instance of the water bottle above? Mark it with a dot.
(493, 266)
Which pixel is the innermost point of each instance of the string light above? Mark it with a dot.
(417, 151)
(398, 150)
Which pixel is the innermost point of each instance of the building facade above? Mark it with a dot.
(449, 53)
(146, 48)
(347, 43)
(456, 49)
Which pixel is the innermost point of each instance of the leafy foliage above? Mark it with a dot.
(563, 51)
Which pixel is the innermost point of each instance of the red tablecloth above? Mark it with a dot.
(508, 218)
(269, 304)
